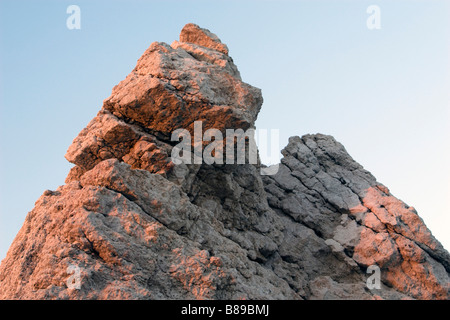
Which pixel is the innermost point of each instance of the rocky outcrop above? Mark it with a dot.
(321, 187)
(131, 224)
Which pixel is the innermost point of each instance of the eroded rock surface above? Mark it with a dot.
(321, 187)
(130, 224)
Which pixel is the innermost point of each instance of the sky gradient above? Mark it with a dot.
(384, 94)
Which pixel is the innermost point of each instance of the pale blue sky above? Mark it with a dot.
(383, 93)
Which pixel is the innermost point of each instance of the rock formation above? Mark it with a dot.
(130, 224)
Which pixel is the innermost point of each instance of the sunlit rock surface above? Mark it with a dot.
(130, 224)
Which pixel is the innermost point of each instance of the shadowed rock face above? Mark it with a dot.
(321, 187)
(129, 224)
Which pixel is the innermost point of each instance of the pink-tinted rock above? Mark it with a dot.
(192, 33)
(130, 224)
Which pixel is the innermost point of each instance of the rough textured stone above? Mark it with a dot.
(132, 225)
(360, 220)
(192, 33)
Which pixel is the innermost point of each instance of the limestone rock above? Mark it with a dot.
(359, 218)
(131, 224)
(192, 33)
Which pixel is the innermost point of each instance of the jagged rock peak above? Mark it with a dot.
(130, 224)
(192, 33)
(171, 87)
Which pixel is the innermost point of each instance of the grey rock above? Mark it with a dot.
(130, 224)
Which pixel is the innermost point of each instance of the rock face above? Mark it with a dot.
(130, 224)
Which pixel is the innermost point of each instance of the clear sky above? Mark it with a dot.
(383, 93)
